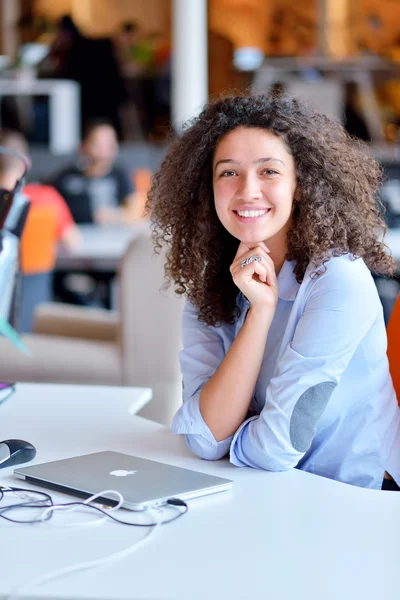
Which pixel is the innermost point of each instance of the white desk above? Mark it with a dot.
(275, 535)
(101, 249)
(64, 108)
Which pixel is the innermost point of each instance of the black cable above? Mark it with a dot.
(45, 502)
(48, 498)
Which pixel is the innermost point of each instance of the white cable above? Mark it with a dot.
(93, 522)
(111, 558)
(24, 495)
(97, 521)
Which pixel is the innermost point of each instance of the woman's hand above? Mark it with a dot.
(256, 280)
(108, 215)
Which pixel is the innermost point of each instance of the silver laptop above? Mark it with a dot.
(141, 482)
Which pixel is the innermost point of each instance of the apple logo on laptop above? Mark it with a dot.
(122, 473)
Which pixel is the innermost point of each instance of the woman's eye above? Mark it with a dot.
(227, 174)
(270, 172)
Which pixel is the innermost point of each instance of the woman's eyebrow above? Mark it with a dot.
(257, 162)
(226, 160)
(268, 159)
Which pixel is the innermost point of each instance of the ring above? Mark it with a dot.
(249, 260)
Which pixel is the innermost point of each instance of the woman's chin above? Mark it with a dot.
(251, 240)
(249, 235)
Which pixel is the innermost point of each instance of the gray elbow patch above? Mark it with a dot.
(306, 414)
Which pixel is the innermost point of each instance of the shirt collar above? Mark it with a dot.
(288, 286)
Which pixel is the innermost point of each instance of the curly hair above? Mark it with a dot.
(338, 211)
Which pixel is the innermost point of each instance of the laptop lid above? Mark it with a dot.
(140, 481)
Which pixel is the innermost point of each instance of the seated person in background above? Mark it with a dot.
(39, 194)
(95, 189)
(49, 221)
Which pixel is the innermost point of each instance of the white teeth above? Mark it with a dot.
(251, 213)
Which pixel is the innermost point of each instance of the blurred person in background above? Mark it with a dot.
(93, 64)
(125, 43)
(145, 60)
(54, 63)
(95, 189)
(39, 194)
(49, 222)
(97, 192)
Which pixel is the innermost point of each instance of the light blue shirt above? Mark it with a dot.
(324, 400)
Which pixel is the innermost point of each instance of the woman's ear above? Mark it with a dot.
(296, 202)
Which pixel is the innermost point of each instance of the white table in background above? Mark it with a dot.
(101, 249)
(275, 535)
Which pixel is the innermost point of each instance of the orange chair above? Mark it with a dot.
(393, 351)
(39, 240)
(38, 249)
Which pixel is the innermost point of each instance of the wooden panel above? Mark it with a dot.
(379, 26)
(102, 17)
(52, 9)
(293, 29)
(243, 23)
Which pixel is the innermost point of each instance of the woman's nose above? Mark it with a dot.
(249, 188)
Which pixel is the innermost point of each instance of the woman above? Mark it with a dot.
(269, 211)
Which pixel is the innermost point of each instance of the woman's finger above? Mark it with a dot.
(244, 276)
(262, 272)
(247, 272)
(257, 251)
(271, 275)
(265, 267)
(244, 248)
(264, 246)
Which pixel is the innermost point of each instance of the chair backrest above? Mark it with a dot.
(150, 333)
(39, 240)
(393, 351)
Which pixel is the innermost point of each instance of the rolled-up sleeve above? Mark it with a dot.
(340, 308)
(203, 351)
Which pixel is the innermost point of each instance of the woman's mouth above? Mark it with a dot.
(251, 215)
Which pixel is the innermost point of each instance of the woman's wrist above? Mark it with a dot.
(261, 312)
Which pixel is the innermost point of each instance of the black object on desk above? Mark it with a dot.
(16, 452)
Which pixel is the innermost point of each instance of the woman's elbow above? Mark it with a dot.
(262, 459)
(204, 449)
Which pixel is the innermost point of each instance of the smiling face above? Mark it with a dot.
(254, 182)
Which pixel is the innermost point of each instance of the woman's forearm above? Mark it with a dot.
(225, 399)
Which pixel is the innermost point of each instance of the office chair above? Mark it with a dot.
(393, 351)
(137, 345)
